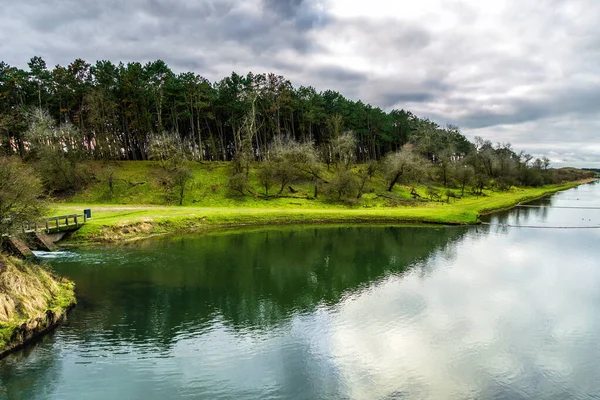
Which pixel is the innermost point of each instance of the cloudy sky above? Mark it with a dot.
(519, 71)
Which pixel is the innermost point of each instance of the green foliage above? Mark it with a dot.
(238, 181)
(267, 175)
(343, 187)
(365, 176)
(433, 193)
(117, 109)
(450, 195)
(20, 195)
(176, 177)
(464, 176)
(60, 174)
(167, 150)
(56, 152)
(181, 178)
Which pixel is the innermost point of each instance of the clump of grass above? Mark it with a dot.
(27, 292)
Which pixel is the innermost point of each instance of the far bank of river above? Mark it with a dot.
(115, 223)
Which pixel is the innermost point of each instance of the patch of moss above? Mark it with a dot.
(6, 332)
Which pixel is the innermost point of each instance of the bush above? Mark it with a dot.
(60, 174)
(20, 191)
(267, 176)
(343, 187)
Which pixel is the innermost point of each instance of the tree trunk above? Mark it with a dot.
(394, 181)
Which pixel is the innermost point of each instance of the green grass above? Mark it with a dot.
(138, 182)
(6, 332)
(139, 210)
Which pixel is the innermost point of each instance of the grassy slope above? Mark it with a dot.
(27, 292)
(138, 209)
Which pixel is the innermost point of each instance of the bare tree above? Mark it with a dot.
(172, 155)
(545, 162)
(403, 167)
(343, 149)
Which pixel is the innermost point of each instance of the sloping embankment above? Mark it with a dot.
(32, 302)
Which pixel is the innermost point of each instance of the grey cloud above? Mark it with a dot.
(285, 8)
(187, 34)
(196, 10)
(565, 139)
(398, 98)
(190, 64)
(482, 118)
(400, 92)
(383, 38)
(528, 74)
(304, 13)
(339, 75)
(409, 92)
(562, 100)
(410, 38)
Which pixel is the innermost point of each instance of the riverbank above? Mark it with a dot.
(32, 302)
(114, 223)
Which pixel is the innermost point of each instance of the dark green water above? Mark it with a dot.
(333, 313)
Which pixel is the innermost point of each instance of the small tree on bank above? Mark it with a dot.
(20, 195)
(343, 186)
(172, 156)
(464, 175)
(405, 166)
(57, 152)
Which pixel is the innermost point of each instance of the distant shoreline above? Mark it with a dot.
(125, 223)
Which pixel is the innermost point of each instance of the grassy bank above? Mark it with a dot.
(32, 301)
(115, 222)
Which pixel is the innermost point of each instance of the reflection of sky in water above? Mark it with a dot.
(519, 324)
(502, 313)
(579, 207)
(525, 315)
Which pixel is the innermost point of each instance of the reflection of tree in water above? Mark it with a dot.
(252, 281)
(35, 364)
(520, 216)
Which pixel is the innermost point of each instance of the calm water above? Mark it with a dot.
(333, 313)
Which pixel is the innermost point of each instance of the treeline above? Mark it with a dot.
(61, 116)
(117, 109)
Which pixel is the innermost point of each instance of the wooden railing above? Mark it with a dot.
(73, 221)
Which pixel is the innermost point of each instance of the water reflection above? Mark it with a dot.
(579, 207)
(361, 313)
(245, 304)
(252, 281)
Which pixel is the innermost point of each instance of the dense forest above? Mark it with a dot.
(57, 117)
(117, 108)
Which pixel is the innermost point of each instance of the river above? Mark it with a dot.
(342, 312)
